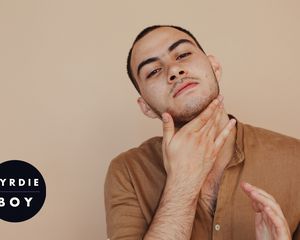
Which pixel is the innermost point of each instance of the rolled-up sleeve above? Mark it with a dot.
(124, 217)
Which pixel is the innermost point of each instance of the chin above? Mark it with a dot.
(184, 117)
(190, 110)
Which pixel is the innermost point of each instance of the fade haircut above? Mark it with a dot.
(143, 33)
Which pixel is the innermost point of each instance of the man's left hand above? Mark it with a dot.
(270, 223)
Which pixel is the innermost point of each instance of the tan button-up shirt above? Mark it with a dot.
(135, 181)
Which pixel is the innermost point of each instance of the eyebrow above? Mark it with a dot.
(177, 43)
(170, 49)
(147, 61)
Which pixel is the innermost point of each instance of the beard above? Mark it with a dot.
(192, 108)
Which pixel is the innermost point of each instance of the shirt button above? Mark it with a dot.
(217, 227)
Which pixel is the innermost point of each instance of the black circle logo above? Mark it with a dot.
(22, 191)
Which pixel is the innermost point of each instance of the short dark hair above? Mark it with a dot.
(143, 33)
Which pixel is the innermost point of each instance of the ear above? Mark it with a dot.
(146, 109)
(216, 66)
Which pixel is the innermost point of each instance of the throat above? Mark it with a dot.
(209, 194)
(210, 188)
(209, 191)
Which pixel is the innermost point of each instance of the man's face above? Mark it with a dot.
(173, 75)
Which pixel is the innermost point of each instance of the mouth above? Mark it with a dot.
(184, 88)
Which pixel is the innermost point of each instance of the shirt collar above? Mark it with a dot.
(238, 156)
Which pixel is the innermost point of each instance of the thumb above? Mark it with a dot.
(168, 128)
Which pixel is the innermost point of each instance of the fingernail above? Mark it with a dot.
(165, 118)
(233, 122)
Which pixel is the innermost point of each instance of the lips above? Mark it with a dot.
(183, 87)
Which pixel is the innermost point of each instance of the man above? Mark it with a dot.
(193, 183)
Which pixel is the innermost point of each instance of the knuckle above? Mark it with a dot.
(166, 127)
(203, 120)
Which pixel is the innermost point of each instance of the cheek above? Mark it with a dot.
(199, 66)
(155, 94)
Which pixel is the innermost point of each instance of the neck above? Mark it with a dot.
(228, 148)
(210, 187)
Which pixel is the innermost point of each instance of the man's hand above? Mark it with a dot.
(191, 152)
(270, 223)
(188, 155)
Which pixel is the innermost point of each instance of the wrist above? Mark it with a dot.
(183, 187)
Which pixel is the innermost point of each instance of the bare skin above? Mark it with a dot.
(196, 152)
(270, 223)
(200, 143)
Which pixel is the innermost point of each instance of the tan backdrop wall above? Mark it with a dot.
(68, 108)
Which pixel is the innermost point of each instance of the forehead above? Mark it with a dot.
(155, 43)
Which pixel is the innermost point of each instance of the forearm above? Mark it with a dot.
(175, 214)
(189, 155)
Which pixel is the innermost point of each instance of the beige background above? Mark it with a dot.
(68, 108)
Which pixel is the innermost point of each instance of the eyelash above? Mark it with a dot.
(183, 55)
(178, 58)
(153, 72)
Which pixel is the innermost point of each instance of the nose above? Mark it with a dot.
(175, 75)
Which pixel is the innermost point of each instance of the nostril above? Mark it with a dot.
(181, 72)
(172, 77)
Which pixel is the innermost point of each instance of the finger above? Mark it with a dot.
(261, 199)
(256, 207)
(209, 124)
(199, 121)
(220, 140)
(277, 221)
(168, 128)
(267, 220)
(267, 202)
(213, 130)
(251, 187)
(261, 196)
(247, 188)
(258, 221)
(252, 192)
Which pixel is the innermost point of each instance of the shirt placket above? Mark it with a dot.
(218, 220)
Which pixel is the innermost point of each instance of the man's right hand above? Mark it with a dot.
(189, 154)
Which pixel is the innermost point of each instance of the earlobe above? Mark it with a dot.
(217, 68)
(145, 108)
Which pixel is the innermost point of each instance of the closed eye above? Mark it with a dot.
(152, 73)
(183, 55)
